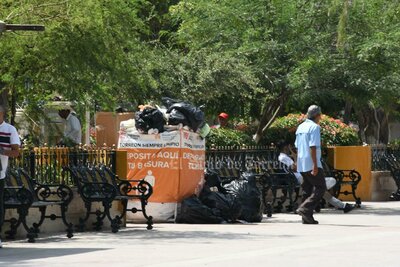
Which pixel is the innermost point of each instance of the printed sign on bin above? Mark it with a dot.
(172, 162)
(192, 163)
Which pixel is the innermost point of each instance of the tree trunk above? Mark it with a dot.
(4, 96)
(270, 112)
(363, 125)
(374, 125)
(347, 112)
(13, 105)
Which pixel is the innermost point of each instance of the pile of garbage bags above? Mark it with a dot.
(171, 115)
(149, 118)
(180, 112)
(245, 190)
(240, 199)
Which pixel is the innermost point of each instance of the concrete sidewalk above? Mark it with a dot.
(366, 237)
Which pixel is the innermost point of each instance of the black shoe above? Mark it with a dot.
(395, 196)
(348, 207)
(306, 219)
(308, 222)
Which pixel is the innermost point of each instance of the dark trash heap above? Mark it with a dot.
(238, 200)
(173, 115)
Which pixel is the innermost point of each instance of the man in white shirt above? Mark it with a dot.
(287, 161)
(73, 131)
(290, 165)
(9, 147)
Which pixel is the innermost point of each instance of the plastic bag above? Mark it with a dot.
(204, 130)
(149, 118)
(194, 115)
(229, 207)
(168, 102)
(128, 127)
(245, 191)
(213, 180)
(193, 211)
(176, 117)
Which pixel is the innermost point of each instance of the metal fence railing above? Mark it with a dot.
(258, 158)
(45, 164)
(246, 158)
(379, 155)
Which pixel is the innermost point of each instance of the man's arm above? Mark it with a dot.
(314, 160)
(315, 141)
(13, 153)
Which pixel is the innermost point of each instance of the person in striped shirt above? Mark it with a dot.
(9, 147)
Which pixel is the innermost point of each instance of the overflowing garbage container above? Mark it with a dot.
(172, 162)
(165, 147)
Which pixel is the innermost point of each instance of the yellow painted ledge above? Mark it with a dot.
(354, 158)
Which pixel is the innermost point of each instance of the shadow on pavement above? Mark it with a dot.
(364, 210)
(15, 256)
(204, 237)
(378, 211)
(351, 225)
(137, 232)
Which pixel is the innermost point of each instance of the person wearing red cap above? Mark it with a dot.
(222, 120)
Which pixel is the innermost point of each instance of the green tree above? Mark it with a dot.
(253, 59)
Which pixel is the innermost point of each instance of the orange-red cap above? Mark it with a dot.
(224, 115)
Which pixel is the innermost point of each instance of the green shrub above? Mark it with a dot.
(395, 143)
(227, 137)
(334, 132)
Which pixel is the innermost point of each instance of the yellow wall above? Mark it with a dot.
(121, 164)
(122, 171)
(354, 158)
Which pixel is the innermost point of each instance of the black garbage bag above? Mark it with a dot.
(168, 102)
(149, 118)
(214, 180)
(228, 206)
(245, 191)
(193, 211)
(176, 117)
(194, 115)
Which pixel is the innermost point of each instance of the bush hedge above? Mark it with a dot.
(333, 131)
(228, 137)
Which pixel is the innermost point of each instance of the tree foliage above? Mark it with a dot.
(255, 59)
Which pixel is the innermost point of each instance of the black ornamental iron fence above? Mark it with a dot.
(380, 154)
(233, 160)
(259, 158)
(46, 164)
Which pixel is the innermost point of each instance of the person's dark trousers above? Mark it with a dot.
(2, 183)
(314, 188)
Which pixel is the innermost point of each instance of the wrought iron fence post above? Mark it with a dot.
(32, 166)
(113, 155)
(73, 154)
(243, 156)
